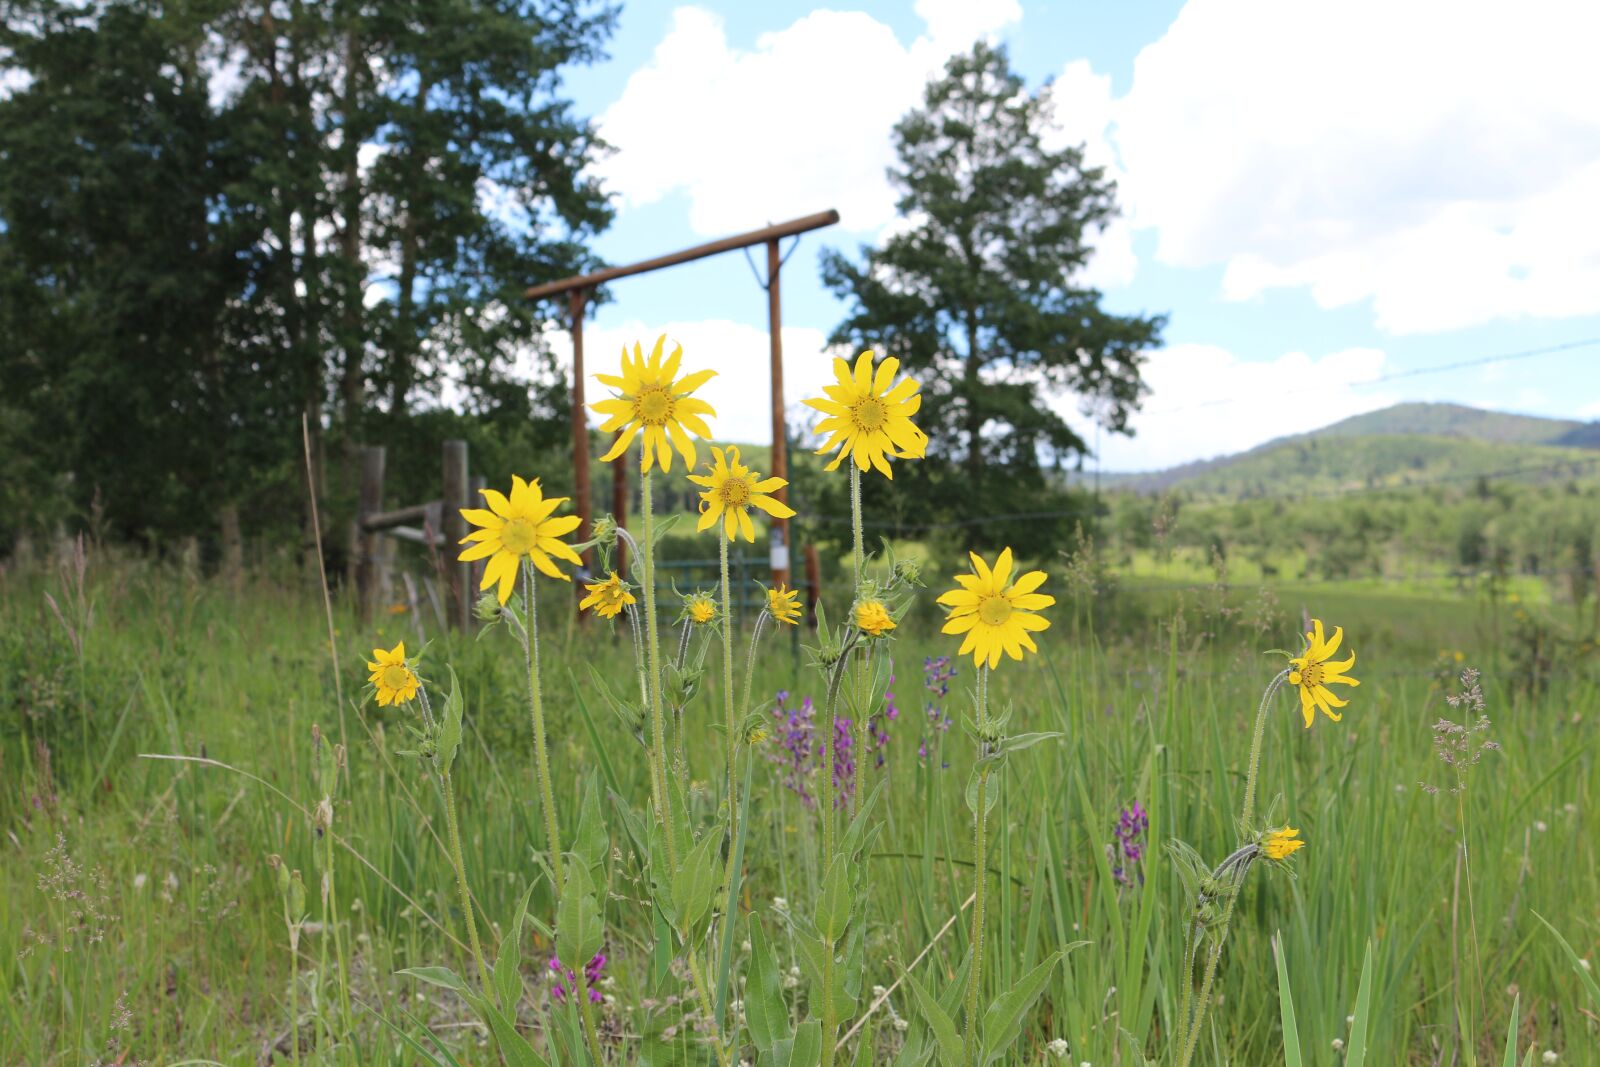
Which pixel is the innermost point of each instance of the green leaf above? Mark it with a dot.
(439, 976)
(951, 1051)
(764, 1007)
(1291, 1032)
(450, 725)
(833, 903)
(1357, 1054)
(580, 932)
(990, 795)
(417, 1046)
(1019, 742)
(1003, 1021)
(1577, 964)
(1510, 1059)
(592, 845)
(695, 884)
(508, 960)
(513, 1046)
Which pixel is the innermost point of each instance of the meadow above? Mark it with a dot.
(143, 923)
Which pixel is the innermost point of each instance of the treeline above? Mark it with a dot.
(1467, 529)
(219, 216)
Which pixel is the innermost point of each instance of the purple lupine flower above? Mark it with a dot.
(936, 675)
(793, 751)
(1127, 852)
(592, 972)
(844, 761)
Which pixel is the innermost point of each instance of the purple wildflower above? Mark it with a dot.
(591, 973)
(793, 751)
(936, 675)
(1127, 852)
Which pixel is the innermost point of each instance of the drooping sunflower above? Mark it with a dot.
(391, 676)
(650, 399)
(995, 613)
(783, 604)
(1282, 843)
(731, 490)
(1313, 671)
(873, 618)
(607, 598)
(869, 416)
(699, 608)
(521, 525)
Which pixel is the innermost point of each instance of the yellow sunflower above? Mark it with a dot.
(1313, 672)
(1282, 843)
(873, 618)
(607, 598)
(866, 418)
(783, 604)
(649, 399)
(731, 490)
(391, 676)
(995, 613)
(519, 526)
(700, 608)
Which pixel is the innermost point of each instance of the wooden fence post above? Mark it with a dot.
(369, 547)
(454, 528)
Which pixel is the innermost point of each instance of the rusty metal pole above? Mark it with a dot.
(780, 437)
(580, 427)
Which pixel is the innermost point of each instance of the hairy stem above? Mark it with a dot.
(453, 829)
(541, 754)
(658, 728)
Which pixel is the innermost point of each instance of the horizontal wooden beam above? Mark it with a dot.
(726, 244)
(387, 520)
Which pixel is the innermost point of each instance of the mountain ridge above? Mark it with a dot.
(1400, 445)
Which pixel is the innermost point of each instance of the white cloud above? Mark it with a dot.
(738, 352)
(1083, 115)
(798, 124)
(1207, 395)
(1438, 158)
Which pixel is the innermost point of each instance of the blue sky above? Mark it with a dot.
(1314, 204)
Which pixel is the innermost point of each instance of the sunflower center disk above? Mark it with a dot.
(518, 536)
(395, 676)
(869, 413)
(994, 611)
(736, 492)
(654, 405)
(1311, 674)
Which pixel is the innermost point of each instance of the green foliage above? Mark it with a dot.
(193, 270)
(980, 301)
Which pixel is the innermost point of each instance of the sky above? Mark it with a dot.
(1317, 194)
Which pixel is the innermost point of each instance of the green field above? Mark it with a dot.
(142, 922)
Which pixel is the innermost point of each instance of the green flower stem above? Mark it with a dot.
(294, 984)
(727, 701)
(1190, 1032)
(863, 719)
(980, 870)
(1255, 746)
(750, 658)
(541, 754)
(658, 730)
(338, 942)
(586, 1013)
(703, 992)
(453, 828)
(830, 1011)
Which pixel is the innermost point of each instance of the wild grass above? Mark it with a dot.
(142, 922)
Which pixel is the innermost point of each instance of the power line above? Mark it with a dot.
(1463, 364)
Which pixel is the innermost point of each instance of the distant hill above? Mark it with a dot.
(1407, 444)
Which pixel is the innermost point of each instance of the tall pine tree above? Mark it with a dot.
(980, 299)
